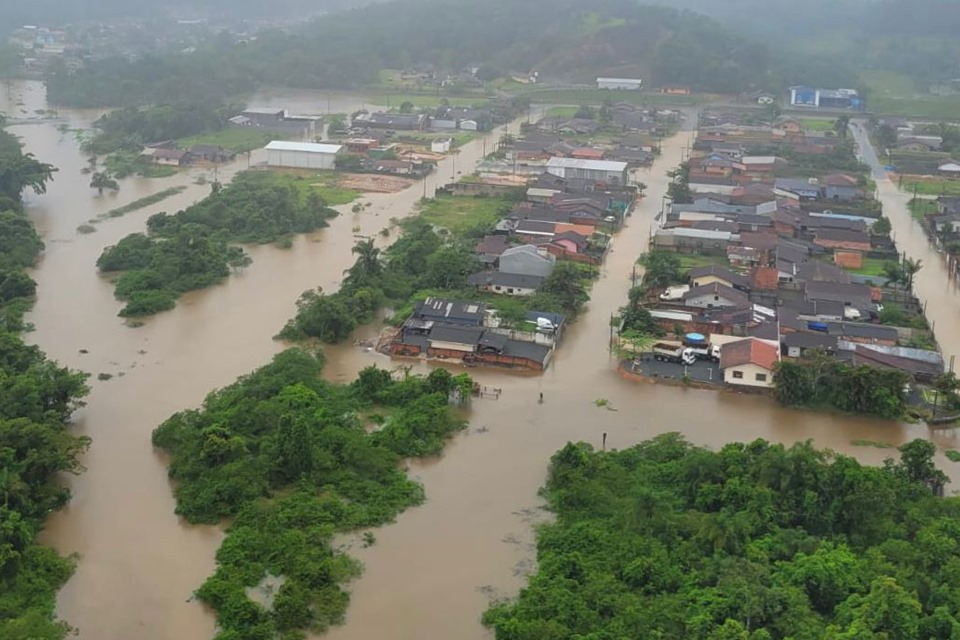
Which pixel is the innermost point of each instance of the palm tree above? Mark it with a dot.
(101, 180)
(368, 257)
(910, 269)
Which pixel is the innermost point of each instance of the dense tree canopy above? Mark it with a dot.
(755, 541)
(192, 249)
(130, 128)
(36, 400)
(559, 38)
(294, 460)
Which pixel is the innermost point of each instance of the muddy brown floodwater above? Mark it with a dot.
(429, 575)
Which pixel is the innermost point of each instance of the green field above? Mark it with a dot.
(143, 202)
(930, 186)
(325, 183)
(239, 139)
(817, 124)
(870, 267)
(894, 94)
(460, 214)
(920, 207)
(689, 261)
(561, 112)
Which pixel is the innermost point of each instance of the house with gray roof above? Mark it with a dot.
(527, 260)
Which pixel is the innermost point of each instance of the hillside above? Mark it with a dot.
(564, 40)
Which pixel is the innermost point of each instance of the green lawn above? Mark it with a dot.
(894, 94)
(325, 183)
(870, 267)
(689, 261)
(818, 124)
(930, 186)
(920, 207)
(460, 214)
(562, 112)
(239, 139)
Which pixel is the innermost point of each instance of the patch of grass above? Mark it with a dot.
(104, 376)
(818, 124)
(895, 94)
(325, 183)
(86, 228)
(561, 112)
(871, 443)
(239, 139)
(932, 186)
(952, 455)
(920, 207)
(870, 267)
(140, 203)
(460, 214)
(689, 261)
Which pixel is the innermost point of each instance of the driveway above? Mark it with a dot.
(701, 370)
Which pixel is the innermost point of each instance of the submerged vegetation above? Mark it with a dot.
(192, 249)
(292, 460)
(752, 542)
(37, 398)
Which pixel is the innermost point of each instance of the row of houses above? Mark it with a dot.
(168, 154)
(783, 255)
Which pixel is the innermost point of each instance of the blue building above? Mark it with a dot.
(803, 96)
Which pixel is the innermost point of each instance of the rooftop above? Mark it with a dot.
(590, 165)
(309, 147)
(749, 351)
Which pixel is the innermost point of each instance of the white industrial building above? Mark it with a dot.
(630, 84)
(302, 155)
(607, 171)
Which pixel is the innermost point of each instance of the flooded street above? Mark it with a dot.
(431, 574)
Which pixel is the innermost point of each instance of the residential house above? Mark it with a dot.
(800, 344)
(587, 153)
(211, 153)
(948, 204)
(571, 242)
(441, 145)
(842, 239)
(535, 231)
(788, 124)
(715, 296)
(511, 284)
(749, 363)
(391, 120)
(949, 169)
(703, 276)
(693, 240)
(450, 312)
(919, 370)
(802, 189)
(489, 249)
(864, 333)
(858, 296)
(171, 157)
(818, 271)
(918, 144)
(527, 260)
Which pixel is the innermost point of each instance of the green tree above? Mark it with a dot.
(916, 463)
(101, 180)
(679, 188)
(661, 269)
(881, 227)
(406, 107)
(566, 283)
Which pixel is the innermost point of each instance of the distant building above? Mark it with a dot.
(803, 96)
(302, 155)
(441, 145)
(630, 84)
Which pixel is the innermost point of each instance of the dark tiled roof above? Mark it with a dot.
(456, 333)
(486, 278)
(738, 298)
(862, 330)
(438, 308)
(720, 272)
(529, 350)
(804, 340)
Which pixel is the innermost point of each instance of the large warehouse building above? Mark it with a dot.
(598, 170)
(302, 155)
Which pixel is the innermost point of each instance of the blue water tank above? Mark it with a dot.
(817, 326)
(695, 337)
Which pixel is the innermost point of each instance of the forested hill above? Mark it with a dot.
(568, 40)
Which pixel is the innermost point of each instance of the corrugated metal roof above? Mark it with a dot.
(593, 165)
(309, 147)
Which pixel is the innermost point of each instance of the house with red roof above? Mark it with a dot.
(749, 363)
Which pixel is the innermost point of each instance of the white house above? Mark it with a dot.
(951, 168)
(630, 84)
(608, 171)
(749, 363)
(302, 155)
(441, 145)
(527, 260)
(511, 284)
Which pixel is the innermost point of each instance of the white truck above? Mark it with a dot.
(705, 351)
(673, 352)
(674, 293)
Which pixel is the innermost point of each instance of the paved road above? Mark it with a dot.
(868, 154)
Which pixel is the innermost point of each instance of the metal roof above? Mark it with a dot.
(309, 147)
(593, 165)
